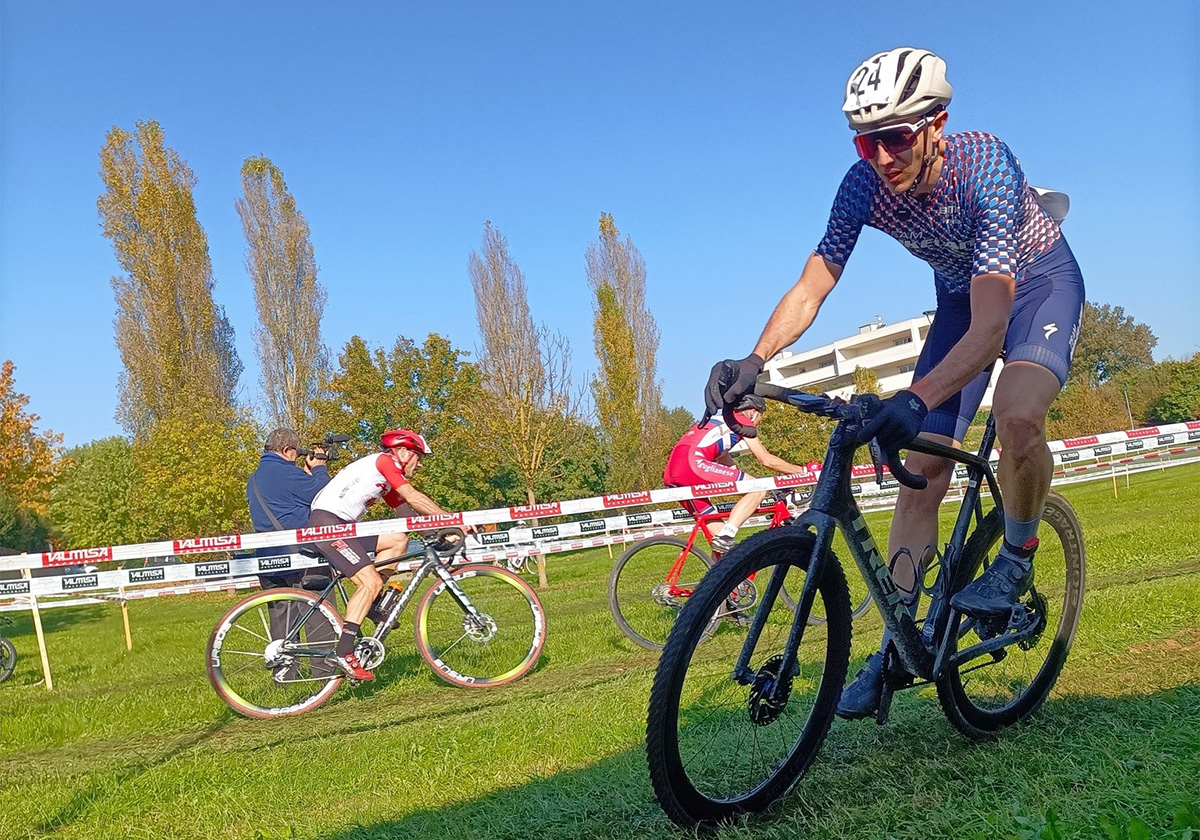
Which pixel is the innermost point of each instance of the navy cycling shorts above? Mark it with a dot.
(1042, 329)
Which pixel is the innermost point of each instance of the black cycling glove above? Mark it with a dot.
(728, 382)
(896, 422)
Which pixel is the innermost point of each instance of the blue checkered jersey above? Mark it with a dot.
(981, 218)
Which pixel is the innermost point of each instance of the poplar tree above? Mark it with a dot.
(526, 411)
(176, 344)
(626, 389)
(290, 301)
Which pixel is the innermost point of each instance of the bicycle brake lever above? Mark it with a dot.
(876, 459)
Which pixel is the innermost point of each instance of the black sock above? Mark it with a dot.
(349, 636)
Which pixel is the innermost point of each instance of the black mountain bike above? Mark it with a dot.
(8, 653)
(477, 626)
(735, 723)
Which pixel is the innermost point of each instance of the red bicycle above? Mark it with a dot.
(653, 579)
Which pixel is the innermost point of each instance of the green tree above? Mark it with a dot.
(865, 381)
(626, 389)
(1180, 397)
(20, 528)
(176, 344)
(92, 500)
(290, 301)
(526, 415)
(427, 388)
(1110, 342)
(193, 478)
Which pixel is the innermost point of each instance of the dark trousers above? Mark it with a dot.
(283, 616)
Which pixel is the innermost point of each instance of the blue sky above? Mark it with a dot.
(711, 131)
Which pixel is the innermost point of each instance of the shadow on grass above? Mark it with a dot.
(55, 620)
(854, 788)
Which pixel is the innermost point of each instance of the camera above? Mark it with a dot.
(330, 445)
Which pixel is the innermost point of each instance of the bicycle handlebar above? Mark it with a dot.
(857, 411)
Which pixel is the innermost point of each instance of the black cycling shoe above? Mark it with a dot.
(860, 696)
(994, 593)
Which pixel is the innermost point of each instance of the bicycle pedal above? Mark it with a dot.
(885, 704)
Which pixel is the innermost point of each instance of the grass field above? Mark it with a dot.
(137, 745)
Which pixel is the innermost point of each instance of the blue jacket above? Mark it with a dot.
(287, 490)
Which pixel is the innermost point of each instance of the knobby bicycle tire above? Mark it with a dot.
(498, 648)
(649, 610)
(697, 707)
(973, 696)
(8, 658)
(239, 663)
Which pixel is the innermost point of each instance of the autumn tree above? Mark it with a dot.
(1110, 342)
(427, 388)
(93, 499)
(865, 380)
(527, 409)
(625, 389)
(290, 301)
(176, 344)
(28, 467)
(192, 478)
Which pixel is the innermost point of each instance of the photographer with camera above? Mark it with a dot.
(280, 496)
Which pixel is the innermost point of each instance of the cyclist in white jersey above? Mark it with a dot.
(345, 499)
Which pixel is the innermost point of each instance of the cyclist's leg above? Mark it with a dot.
(1041, 339)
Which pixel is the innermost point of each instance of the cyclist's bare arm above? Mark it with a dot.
(991, 305)
(796, 312)
(771, 462)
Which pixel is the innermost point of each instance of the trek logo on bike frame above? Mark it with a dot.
(326, 532)
(76, 556)
(864, 548)
(201, 544)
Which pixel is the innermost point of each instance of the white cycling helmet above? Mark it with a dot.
(896, 85)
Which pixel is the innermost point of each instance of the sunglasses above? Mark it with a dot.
(896, 139)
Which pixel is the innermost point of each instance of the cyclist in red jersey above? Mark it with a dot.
(345, 499)
(704, 456)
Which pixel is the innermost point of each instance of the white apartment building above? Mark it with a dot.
(889, 350)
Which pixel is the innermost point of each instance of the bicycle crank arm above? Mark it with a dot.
(978, 649)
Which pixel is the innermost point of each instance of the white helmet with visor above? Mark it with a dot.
(904, 83)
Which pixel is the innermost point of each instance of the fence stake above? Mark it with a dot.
(41, 636)
(125, 618)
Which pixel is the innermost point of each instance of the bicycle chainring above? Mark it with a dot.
(763, 708)
(370, 652)
(744, 595)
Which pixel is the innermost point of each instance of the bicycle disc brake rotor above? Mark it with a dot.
(744, 595)
(479, 628)
(663, 597)
(370, 652)
(763, 708)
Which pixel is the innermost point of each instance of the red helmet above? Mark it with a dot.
(403, 437)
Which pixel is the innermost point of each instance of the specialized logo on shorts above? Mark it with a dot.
(200, 544)
(640, 497)
(346, 551)
(326, 532)
(1050, 329)
(534, 511)
(147, 575)
(80, 582)
(212, 569)
(436, 520)
(77, 556)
